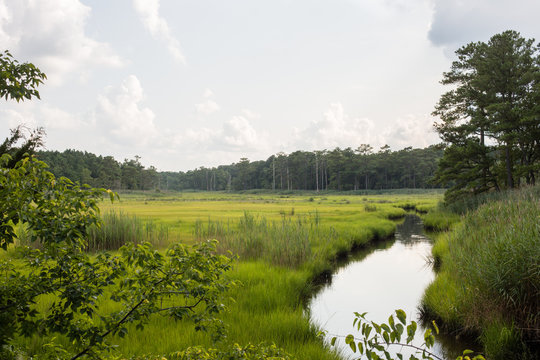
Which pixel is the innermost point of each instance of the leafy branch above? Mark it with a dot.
(378, 337)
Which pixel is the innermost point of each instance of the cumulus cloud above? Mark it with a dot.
(208, 106)
(239, 133)
(250, 114)
(51, 33)
(336, 128)
(208, 93)
(235, 135)
(40, 114)
(411, 130)
(121, 115)
(158, 27)
(456, 23)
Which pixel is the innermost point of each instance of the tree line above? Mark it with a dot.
(337, 169)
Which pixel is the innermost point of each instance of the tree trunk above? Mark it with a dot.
(509, 178)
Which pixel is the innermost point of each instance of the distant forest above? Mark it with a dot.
(338, 169)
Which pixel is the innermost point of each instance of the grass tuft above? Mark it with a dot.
(119, 228)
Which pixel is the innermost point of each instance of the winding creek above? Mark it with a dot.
(392, 275)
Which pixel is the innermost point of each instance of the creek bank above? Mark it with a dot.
(489, 277)
(391, 274)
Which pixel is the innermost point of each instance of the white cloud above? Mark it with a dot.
(158, 27)
(250, 114)
(336, 128)
(121, 116)
(236, 135)
(51, 34)
(411, 130)
(208, 93)
(40, 114)
(208, 107)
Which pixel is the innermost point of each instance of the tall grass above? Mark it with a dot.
(439, 220)
(119, 228)
(287, 242)
(471, 203)
(493, 257)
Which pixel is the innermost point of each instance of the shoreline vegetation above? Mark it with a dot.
(268, 306)
(488, 273)
(276, 281)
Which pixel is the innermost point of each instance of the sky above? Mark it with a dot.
(185, 84)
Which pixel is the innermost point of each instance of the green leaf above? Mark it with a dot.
(391, 322)
(401, 316)
(333, 341)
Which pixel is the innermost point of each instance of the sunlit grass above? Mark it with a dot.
(181, 211)
(269, 305)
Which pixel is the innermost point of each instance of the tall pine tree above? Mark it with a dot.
(490, 119)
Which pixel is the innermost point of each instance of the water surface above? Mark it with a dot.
(392, 276)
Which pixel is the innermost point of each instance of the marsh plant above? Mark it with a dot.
(285, 242)
(118, 229)
(490, 271)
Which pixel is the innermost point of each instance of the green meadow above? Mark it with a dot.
(180, 212)
(284, 244)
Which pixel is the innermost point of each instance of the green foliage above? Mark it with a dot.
(18, 81)
(235, 352)
(489, 120)
(377, 338)
(490, 273)
(182, 283)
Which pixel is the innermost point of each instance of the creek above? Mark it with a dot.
(390, 275)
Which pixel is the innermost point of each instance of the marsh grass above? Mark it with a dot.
(490, 273)
(439, 220)
(286, 242)
(267, 307)
(280, 270)
(118, 228)
(292, 240)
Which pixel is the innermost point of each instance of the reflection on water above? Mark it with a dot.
(393, 275)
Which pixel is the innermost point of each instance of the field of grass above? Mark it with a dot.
(284, 243)
(490, 275)
(181, 211)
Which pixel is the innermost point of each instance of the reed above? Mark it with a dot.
(493, 259)
(119, 228)
(287, 242)
(439, 220)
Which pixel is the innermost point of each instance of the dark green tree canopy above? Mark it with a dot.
(490, 120)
